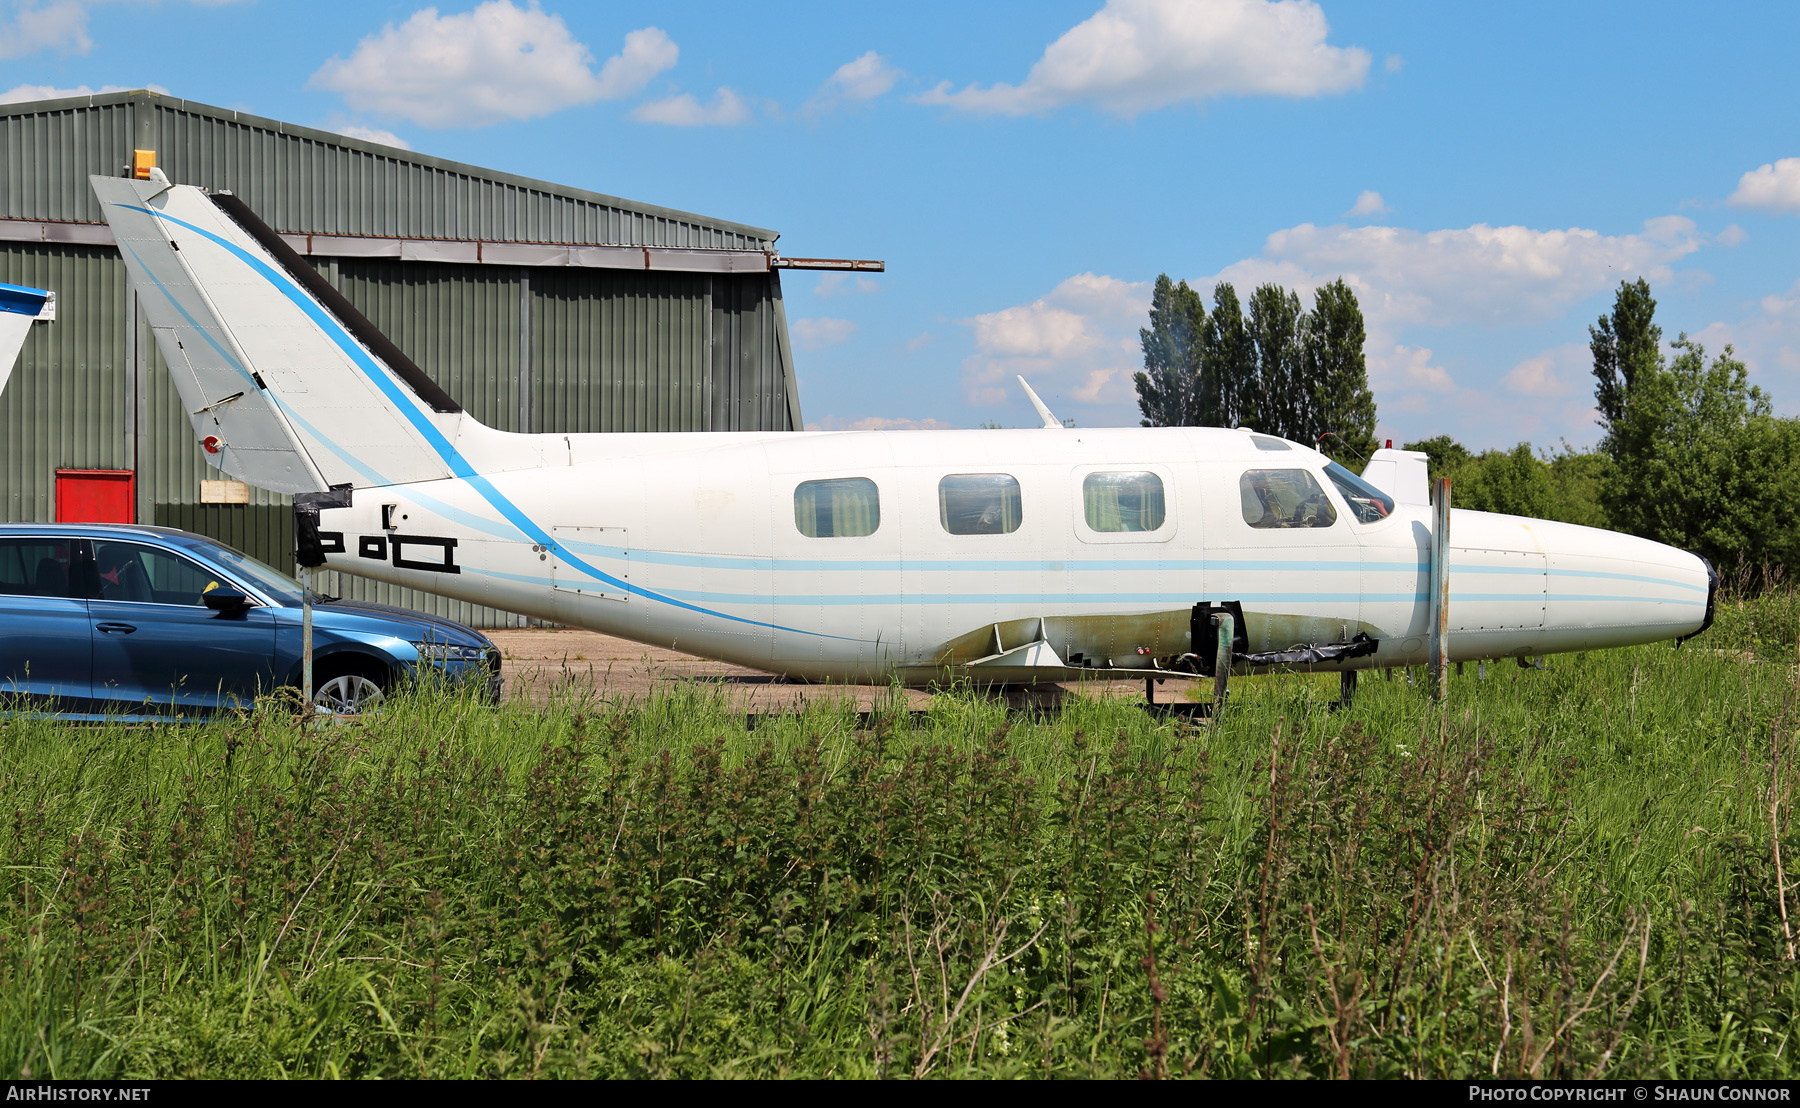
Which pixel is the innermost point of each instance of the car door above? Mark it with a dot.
(158, 649)
(46, 656)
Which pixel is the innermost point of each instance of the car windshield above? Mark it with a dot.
(282, 588)
(1367, 502)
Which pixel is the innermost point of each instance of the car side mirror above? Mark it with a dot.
(223, 599)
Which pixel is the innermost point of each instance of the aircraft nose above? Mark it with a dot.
(1607, 589)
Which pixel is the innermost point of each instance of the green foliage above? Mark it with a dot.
(1276, 324)
(1563, 486)
(1168, 387)
(1568, 873)
(1444, 455)
(1625, 346)
(1511, 481)
(1700, 461)
(1283, 371)
(1339, 376)
(1228, 388)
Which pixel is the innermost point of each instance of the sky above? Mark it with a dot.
(1482, 176)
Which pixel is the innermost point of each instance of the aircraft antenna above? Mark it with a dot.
(1044, 412)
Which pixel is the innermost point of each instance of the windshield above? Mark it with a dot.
(282, 588)
(1367, 503)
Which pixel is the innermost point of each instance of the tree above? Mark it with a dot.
(1513, 482)
(1277, 325)
(1228, 377)
(1625, 347)
(1699, 459)
(1443, 455)
(1338, 375)
(1168, 388)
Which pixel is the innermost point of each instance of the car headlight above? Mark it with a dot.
(448, 652)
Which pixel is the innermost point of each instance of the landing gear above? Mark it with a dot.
(1346, 688)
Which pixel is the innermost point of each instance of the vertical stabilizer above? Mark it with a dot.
(287, 386)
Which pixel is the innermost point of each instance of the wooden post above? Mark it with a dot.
(1439, 657)
(1222, 659)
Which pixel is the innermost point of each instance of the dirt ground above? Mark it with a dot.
(536, 662)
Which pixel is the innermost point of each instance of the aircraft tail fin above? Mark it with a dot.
(288, 386)
(20, 307)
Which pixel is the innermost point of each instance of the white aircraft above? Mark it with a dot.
(1003, 556)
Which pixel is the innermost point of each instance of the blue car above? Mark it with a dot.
(101, 621)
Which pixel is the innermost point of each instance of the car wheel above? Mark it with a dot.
(349, 695)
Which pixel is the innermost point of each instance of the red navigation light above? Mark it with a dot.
(211, 444)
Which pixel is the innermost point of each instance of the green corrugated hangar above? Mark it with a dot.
(538, 307)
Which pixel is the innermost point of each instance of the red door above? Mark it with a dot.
(96, 496)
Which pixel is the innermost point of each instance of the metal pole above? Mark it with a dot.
(1439, 659)
(306, 667)
(1222, 659)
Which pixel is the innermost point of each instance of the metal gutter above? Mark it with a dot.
(657, 259)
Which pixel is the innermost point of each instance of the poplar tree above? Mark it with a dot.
(1228, 377)
(1168, 387)
(1338, 376)
(1284, 400)
(1626, 347)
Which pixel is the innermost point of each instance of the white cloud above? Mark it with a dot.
(1137, 55)
(1732, 236)
(1768, 338)
(1553, 373)
(728, 109)
(840, 284)
(371, 134)
(1772, 188)
(1368, 202)
(918, 342)
(60, 26)
(1080, 340)
(1394, 63)
(1408, 369)
(20, 94)
(1478, 274)
(866, 78)
(879, 423)
(495, 63)
(647, 52)
(816, 334)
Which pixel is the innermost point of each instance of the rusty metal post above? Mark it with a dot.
(1222, 659)
(1439, 657)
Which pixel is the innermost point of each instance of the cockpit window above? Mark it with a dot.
(1367, 503)
(1284, 498)
(1129, 501)
(842, 508)
(979, 504)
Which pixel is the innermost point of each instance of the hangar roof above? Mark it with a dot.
(303, 180)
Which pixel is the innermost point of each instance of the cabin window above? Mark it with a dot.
(1264, 442)
(979, 504)
(1284, 498)
(1367, 503)
(842, 508)
(1129, 501)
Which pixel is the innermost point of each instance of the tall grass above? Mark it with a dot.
(1566, 873)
